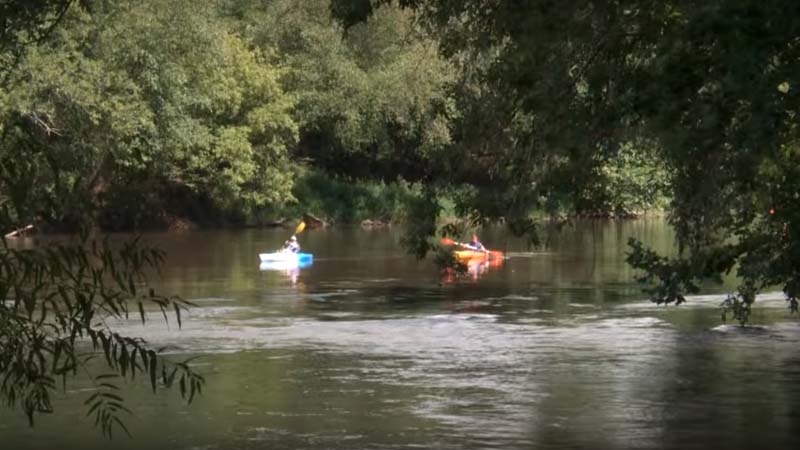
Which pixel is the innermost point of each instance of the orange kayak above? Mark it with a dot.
(472, 255)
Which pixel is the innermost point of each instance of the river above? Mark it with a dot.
(369, 348)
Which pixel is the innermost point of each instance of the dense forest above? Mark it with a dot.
(138, 115)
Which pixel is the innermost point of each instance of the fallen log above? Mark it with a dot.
(280, 223)
(369, 223)
(313, 222)
(19, 232)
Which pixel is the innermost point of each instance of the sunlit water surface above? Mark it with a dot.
(370, 348)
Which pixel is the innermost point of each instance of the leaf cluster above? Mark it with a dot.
(134, 103)
(704, 88)
(58, 305)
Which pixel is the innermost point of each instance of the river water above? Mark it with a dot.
(371, 349)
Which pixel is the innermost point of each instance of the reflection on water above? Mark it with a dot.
(475, 269)
(369, 348)
(478, 268)
(290, 269)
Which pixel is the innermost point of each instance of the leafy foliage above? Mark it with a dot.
(57, 307)
(418, 237)
(64, 119)
(631, 182)
(26, 22)
(372, 102)
(707, 86)
(347, 200)
(152, 95)
(130, 113)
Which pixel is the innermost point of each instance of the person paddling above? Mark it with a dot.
(476, 245)
(291, 246)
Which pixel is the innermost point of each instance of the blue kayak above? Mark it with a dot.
(286, 257)
(285, 265)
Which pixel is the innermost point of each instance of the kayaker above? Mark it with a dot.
(291, 245)
(475, 244)
(294, 247)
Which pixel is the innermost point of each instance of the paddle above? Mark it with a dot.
(448, 241)
(300, 227)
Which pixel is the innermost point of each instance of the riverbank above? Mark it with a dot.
(317, 197)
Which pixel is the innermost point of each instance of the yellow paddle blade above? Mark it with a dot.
(300, 228)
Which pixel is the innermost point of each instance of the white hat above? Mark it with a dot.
(293, 238)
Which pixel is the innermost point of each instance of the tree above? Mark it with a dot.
(56, 302)
(373, 102)
(222, 121)
(138, 104)
(708, 84)
(23, 23)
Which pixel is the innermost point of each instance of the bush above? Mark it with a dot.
(347, 201)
